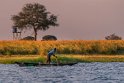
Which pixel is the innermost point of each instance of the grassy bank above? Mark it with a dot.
(107, 47)
(13, 59)
(97, 58)
(63, 58)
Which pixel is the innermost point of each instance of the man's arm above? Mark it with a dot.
(54, 55)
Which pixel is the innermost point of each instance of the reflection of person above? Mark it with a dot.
(50, 53)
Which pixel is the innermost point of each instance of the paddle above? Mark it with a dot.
(57, 60)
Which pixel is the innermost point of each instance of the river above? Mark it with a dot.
(79, 73)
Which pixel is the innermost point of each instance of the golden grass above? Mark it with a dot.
(63, 47)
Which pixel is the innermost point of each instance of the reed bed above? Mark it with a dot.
(106, 47)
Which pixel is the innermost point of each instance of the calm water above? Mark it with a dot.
(79, 73)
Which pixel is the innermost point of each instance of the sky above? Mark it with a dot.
(78, 19)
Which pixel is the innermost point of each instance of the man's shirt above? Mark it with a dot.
(52, 52)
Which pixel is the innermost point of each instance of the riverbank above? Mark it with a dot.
(62, 58)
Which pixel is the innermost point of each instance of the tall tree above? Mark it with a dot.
(34, 16)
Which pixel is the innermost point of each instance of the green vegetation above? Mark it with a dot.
(13, 59)
(97, 58)
(62, 58)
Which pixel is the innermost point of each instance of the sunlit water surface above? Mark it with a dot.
(79, 73)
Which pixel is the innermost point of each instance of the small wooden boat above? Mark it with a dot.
(43, 64)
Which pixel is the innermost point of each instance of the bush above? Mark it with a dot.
(113, 37)
(28, 38)
(49, 37)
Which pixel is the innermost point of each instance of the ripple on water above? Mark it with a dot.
(79, 73)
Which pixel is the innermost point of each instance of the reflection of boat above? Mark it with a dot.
(43, 64)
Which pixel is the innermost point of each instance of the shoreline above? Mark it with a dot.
(62, 58)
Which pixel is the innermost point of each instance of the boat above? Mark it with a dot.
(43, 64)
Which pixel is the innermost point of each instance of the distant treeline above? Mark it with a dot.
(63, 47)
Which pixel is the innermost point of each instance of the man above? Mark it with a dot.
(50, 53)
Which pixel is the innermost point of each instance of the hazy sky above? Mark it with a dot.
(78, 19)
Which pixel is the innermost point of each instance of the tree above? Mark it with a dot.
(49, 37)
(113, 37)
(28, 38)
(34, 16)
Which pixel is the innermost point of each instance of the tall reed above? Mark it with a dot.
(63, 47)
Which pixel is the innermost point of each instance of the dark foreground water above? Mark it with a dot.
(79, 73)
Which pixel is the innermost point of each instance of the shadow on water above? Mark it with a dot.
(70, 60)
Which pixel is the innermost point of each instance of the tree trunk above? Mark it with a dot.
(35, 34)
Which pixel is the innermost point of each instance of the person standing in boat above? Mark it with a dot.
(51, 53)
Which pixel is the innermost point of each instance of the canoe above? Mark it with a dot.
(43, 64)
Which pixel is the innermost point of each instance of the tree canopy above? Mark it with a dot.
(28, 38)
(34, 16)
(113, 37)
(49, 37)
